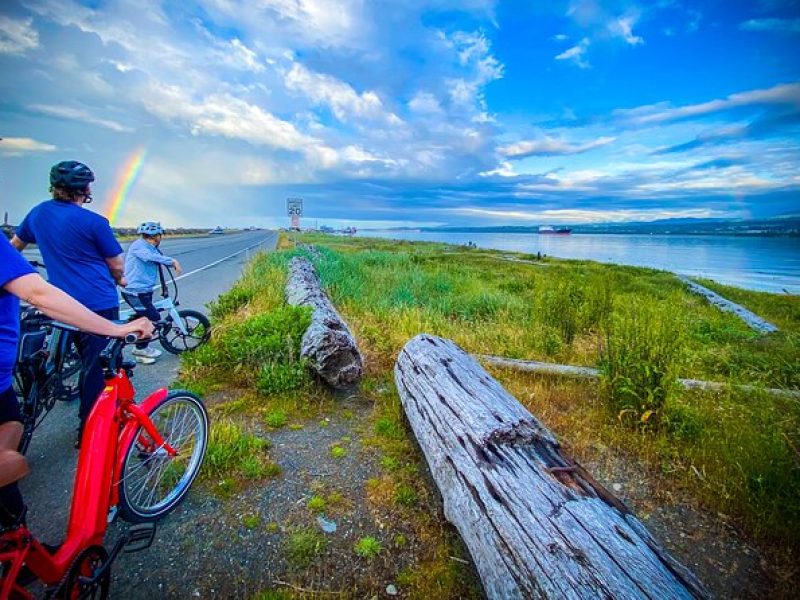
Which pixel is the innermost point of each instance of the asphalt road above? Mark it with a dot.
(48, 489)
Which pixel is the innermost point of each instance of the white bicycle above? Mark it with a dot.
(185, 329)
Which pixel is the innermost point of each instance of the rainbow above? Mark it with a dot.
(125, 180)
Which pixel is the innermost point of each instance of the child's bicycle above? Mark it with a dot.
(137, 461)
(184, 329)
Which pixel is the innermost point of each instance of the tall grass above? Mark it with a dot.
(639, 360)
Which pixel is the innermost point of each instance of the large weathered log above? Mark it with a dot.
(536, 523)
(328, 344)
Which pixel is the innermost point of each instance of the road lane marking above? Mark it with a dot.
(216, 262)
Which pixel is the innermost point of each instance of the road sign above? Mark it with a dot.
(294, 207)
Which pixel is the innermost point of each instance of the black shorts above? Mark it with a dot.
(9, 407)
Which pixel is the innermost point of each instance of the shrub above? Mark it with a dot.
(638, 362)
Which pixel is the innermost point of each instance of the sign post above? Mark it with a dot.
(294, 208)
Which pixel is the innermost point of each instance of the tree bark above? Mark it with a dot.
(328, 344)
(536, 523)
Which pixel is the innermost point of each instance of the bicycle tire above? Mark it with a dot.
(28, 404)
(163, 482)
(176, 342)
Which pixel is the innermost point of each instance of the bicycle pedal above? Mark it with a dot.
(140, 537)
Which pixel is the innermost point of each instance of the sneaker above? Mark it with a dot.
(145, 360)
(149, 352)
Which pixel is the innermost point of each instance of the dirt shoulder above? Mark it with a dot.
(267, 541)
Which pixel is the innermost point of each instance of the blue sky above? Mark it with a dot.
(418, 112)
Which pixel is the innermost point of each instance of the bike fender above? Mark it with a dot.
(127, 433)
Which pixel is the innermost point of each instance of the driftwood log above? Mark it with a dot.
(536, 523)
(328, 344)
(534, 366)
(750, 318)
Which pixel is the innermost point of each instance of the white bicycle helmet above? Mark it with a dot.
(150, 228)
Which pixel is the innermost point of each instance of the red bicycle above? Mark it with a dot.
(137, 461)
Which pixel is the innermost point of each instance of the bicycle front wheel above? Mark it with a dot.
(153, 482)
(198, 330)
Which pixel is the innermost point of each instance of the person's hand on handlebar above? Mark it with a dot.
(177, 266)
(142, 327)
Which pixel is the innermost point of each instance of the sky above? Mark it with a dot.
(405, 113)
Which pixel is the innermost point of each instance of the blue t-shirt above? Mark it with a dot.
(74, 243)
(12, 266)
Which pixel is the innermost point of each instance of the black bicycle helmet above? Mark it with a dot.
(71, 175)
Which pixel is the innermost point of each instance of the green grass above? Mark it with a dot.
(735, 452)
(316, 504)
(368, 547)
(232, 451)
(640, 326)
(303, 546)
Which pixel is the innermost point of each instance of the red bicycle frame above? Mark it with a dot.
(111, 427)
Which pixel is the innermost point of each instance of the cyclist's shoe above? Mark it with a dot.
(145, 360)
(148, 352)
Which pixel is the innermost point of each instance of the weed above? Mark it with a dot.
(399, 540)
(338, 452)
(405, 495)
(251, 521)
(316, 504)
(272, 527)
(276, 418)
(231, 450)
(303, 546)
(639, 363)
(230, 302)
(390, 463)
(368, 547)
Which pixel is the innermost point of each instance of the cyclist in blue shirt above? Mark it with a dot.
(19, 280)
(83, 258)
(141, 271)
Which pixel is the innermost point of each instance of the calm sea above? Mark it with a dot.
(768, 264)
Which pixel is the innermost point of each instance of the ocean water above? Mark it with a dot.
(770, 264)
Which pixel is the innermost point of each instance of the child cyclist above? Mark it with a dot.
(141, 272)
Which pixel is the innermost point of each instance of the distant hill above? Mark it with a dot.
(785, 225)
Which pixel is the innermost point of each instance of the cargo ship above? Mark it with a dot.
(550, 230)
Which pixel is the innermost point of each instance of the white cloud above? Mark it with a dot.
(788, 94)
(425, 103)
(340, 97)
(576, 54)
(781, 25)
(77, 114)
(548, 146)
(623, 27)
(19, 146)
(17, 36)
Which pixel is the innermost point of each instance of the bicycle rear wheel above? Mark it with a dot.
(153, 482)
(198, 330)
